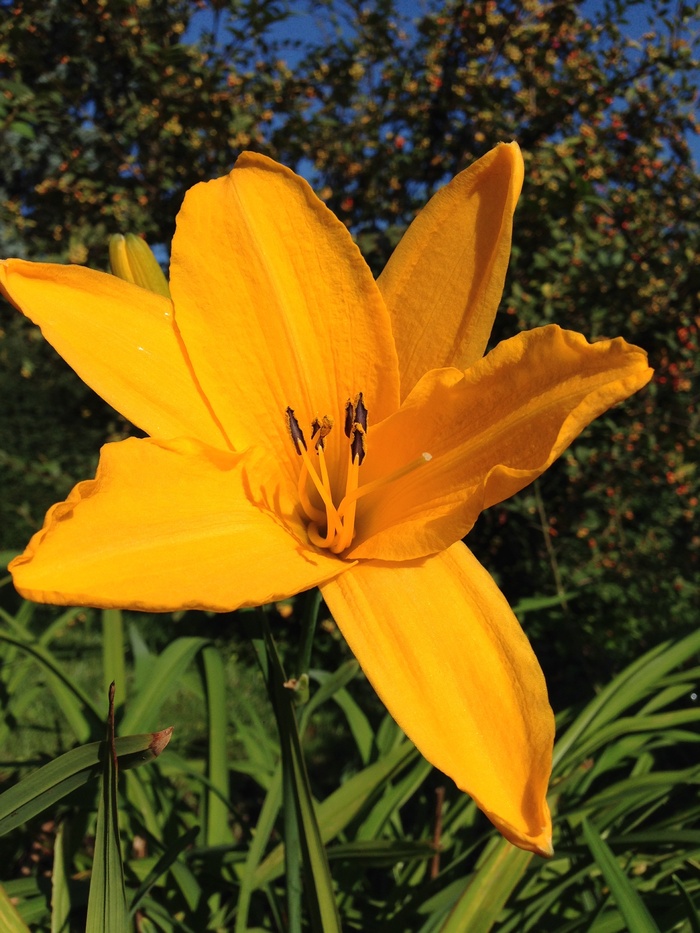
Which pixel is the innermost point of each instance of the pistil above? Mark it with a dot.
(351, 496)
(339, 522)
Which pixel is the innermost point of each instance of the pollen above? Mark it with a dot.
(333, 527)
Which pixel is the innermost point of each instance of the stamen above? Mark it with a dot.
(315, 536)
(324, 492)
(357, 447)
(339, 522)
(323, 429)
(345, 538)
(307, 470)
(334, 522)
(316, 515)
(361, 413)
(349, 417)
(295, 432)
(351, 497)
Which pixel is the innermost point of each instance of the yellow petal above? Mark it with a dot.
(119, 339)
(444, 281)
(167, 527)
(490, 431)
(442, 648)
(278, 308)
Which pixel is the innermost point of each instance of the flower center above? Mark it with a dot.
(338, 521)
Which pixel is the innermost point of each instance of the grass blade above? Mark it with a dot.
(319, 892)
(263, 831)
(74, 769)
(693, 917)
(60, 888)
(107, 908)
(10, 920)
(81, 712)
(630, 904)
(627, 688)
(165, 672)
(342, 806)
(216, 830)
(488, 889)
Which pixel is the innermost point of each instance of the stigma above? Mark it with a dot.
(333, 526)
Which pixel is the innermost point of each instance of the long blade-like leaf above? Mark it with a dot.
(488, 890)
(637, 917)
(60, 888)
(10, 920)
(107, 908)
(74, 769)
(216, 830)
(165, 672)
(342, 806)
(319, 884)
(626, 689)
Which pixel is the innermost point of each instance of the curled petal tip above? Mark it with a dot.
(546, 849)
(532, 835)
(540, 845)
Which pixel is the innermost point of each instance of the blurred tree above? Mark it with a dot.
(110, 110)
(109, 113)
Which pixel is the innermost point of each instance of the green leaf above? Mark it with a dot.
(74, 769)
(165, 672)
(217, 830)
(343, 806)
(394, 796)
(331, 686)
(113, 664)
(107, 907)
(165, 862)
(263, 830)
(625, 690)
(60, 889)
(78, 708)
(637, 917)
(10, 920)
(488, 889)
(693, 918)
(381, 852)
(323, 914)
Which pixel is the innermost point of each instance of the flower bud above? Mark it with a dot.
(131, 259)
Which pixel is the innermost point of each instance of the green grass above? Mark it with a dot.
(203, 827)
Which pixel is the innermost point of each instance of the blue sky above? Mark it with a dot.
(303, 25)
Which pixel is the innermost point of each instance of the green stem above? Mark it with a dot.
(113, 663)
(544, 524)
(292, 843)
(312, 603)
(292, 852)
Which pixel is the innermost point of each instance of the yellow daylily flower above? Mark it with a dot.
(309, 425)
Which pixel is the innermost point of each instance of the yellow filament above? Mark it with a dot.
(324, 492)
(344, 539)
(316, 515)
(351, 496)
(315, 536)
(333, 524)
